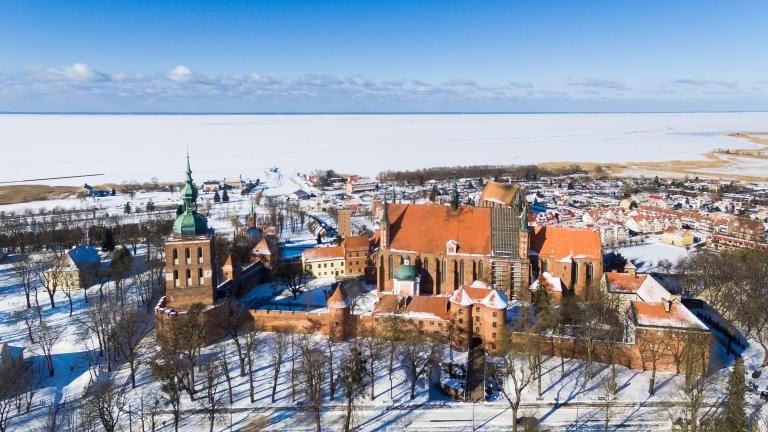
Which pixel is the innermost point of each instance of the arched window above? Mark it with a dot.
(175, 277)
(389, 271)
(445, 270)
(589, 271)
(200, 279)
(425, 265)
(199, 255)
(480, 270)
(175, 256)
(461, 272)
(189, 277)
(187, 255)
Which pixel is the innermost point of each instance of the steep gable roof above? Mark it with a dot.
(652, 314)
(357, 242)
(499, 193)
(560, 242)
(426, 228)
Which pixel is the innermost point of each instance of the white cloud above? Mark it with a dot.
(180, 73)
(77, 72)
(596, 83)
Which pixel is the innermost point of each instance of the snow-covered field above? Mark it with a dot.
(140, 147)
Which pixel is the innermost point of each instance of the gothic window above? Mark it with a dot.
(445, 270)
(480, 270)
(425, 265)
(461, 272)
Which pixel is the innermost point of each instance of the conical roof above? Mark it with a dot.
(338, 300)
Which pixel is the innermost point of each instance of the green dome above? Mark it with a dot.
(406, 272)
(190, 223)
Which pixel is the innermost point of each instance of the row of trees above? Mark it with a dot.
(527, 172)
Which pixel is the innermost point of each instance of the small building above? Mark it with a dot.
(324, 261)
(300, 194)
(265, 252)
(677, 237)
(78, 266)
(234, 182)
(357, 184)
(574, 255)
(211, 186)
(356, 254)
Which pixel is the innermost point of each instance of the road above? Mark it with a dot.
(573, 416)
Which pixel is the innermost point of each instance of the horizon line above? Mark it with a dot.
(277, 113)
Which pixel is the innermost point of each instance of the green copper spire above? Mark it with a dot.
(454, 194)
(384, 216)
(189, 222)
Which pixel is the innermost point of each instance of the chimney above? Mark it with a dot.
(667, 305)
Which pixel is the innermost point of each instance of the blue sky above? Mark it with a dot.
(377, 56)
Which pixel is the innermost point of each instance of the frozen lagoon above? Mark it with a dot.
(142, 147)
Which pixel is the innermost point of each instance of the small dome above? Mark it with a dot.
(190, 223)
(406, 272)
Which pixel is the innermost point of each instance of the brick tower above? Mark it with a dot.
(189, 254)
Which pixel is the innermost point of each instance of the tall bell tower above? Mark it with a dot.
(190, 275)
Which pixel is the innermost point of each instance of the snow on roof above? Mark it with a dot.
(653, 314)
(460, 297)
(551, 282)
(495, 300)
(644, 286)
(83, 255)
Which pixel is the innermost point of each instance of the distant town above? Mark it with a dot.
(342, 298)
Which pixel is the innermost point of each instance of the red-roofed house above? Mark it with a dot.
(574, 255)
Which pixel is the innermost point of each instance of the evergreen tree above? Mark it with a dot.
(225, 196)
(114, 192)
(108, 244)
(735, 418)
(150, 205)
(216, 197)
(127, 208)
(433, 194)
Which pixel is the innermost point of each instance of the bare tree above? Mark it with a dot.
(130, 327)
(519, 369)
(418, 353)
(26, 275)
(250, 343)
(331, 383)
(14, 377)
(652, 345)
(278, 354)
(221, 358)
(607, 401)
(692, 394)
(47, 337)
(212, 401)
(352, 380)
(28, 317)
(50, 273)
(107, 402)
(293, 276)
(374, 346)
(313, 375)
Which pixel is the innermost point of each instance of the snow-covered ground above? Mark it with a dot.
(568, 402)
(140, 147)
(646, 256)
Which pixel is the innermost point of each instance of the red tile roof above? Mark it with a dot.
(338, 299)
(624, 282)
(323, 253)
(654, 315)
(426, 228)
(560, 242)
(357, 243)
